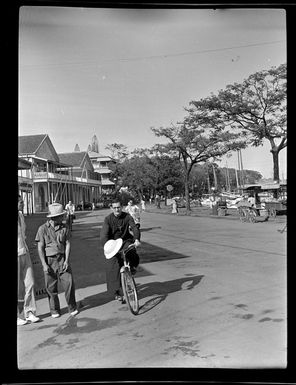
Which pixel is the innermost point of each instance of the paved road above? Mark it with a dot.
(212, 295)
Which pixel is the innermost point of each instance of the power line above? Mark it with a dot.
(163, 56)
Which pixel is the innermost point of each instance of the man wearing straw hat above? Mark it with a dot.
(54, 250)
(115, 233)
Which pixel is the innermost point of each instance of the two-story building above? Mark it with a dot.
(53, 180)
(101, 164)
(25, 184)
(88, 182)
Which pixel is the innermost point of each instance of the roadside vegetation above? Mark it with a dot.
(239, 116)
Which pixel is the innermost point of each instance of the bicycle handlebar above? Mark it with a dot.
(131, 246)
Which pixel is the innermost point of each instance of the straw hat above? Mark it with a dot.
(112, 247)
(55, 210)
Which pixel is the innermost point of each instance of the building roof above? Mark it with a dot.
(29, 144)
(37, 146)
(93, 154)
(76, 159)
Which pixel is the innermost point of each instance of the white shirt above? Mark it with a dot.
(134, 212)
(21, 236)
(70, 208)
(251, 200)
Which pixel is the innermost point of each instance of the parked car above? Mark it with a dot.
(87, 206)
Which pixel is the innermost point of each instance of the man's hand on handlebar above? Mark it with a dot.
(137, 243)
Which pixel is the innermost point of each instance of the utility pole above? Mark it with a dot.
(208, 180)
(215, 176)
(227, 178)
(242, 168)
(238, 171)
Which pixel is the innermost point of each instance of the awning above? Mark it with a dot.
(24, 164)
(270, 186)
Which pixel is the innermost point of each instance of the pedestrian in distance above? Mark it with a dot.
(174, 207)
(133, 210)
(115, 227)
(26, 295)
(157, 201)
(53, 239)
(70, 208)
(143, 204)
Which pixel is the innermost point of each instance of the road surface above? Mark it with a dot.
(212, 295)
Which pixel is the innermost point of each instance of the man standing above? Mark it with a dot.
(54, 251)
(26, 296)
(116, 225)
(133, 210)
(70, 208)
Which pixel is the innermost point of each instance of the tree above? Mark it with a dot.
(136, 173)
(119, 152)
(256, 108)
(147, 171)
(194, 142)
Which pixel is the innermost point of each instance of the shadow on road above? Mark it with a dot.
(158, 289)
(87, 257)
(163, 289)
(149, 228)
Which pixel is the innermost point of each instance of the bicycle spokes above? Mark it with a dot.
(130, 291)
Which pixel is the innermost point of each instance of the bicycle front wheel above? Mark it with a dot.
(130, 291)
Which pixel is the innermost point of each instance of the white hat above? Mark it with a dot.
(112, 247)
(55, 210)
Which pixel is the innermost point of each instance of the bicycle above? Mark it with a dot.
(128, 283)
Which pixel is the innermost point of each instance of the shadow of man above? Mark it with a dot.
(162, 289)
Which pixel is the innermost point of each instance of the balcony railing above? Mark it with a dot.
(48, 176)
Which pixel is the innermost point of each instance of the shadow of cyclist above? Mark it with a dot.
(162, 289)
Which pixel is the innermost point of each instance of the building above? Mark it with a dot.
(49, 179)
(101, 164)
(82, 170)
(25, 183)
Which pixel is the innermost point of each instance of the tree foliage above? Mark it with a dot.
(193, 141)
(146, 172)
(118, 151)
(256, 108)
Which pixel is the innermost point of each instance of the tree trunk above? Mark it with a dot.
(188, 209)
(276, 172)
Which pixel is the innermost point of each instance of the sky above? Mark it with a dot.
(115, 73)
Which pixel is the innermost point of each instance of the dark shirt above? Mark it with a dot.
(53, 239)
(118, 227)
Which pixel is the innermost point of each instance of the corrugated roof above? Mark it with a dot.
(93, 154)
(74, 159)
(29, 144)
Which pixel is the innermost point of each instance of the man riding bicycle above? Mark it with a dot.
(116, 225)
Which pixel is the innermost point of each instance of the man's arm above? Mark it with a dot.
(67, 254)
(135, 230)
(41, 253)
(41, 249)
(104, 234)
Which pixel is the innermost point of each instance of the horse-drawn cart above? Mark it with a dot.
(276, 207)
(249, 213)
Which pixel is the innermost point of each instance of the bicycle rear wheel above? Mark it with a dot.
(130, 291)
(252, 216)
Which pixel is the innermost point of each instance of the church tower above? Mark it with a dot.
(94, 144)
(76, 149)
